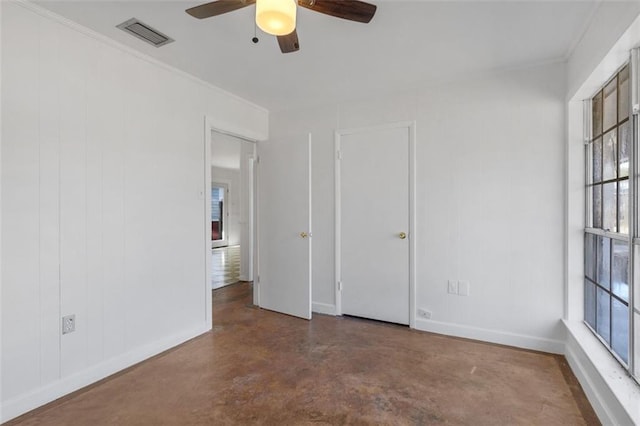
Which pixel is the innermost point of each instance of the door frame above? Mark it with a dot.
(224, 213)
(411, 127)
(211, 124)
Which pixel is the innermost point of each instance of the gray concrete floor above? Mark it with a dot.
(260, 367)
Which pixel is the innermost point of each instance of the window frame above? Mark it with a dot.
(590, 231)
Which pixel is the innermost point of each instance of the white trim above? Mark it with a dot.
(615, 396)
(252, 222)
(412, 224)
(1, 257)
(208, 267)
(310, 226)
(110, 42)
(338, 224)
(43, 395)
(257, 285)
(323, 308)
(411, 126)
(395, 125)
(492, 336)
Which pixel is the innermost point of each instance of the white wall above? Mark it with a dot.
(489, 200)
(103, 207)
(232, 178)
(609, 22)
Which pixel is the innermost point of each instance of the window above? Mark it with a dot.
(607, 293)
(218, 214)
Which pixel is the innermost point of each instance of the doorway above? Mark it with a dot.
(374, 223)
(231, 191)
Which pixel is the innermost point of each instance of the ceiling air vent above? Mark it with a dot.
(145, 32)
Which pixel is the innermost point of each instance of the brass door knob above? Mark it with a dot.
(303, 235)
(402, 235)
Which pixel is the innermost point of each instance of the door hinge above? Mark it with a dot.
(339, 155)
(339, 285)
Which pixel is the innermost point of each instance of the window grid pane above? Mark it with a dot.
(609, 148)
(607, 259)
(620, 329)
(597, 206)
(597, 160)
(590, 303)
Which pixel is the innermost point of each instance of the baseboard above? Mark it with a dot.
(614, 396)
(493, 336)
(48, 393)
(323, 308)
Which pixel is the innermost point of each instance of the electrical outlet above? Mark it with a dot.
(424, 313)
(463, 288)
(452, 287)
(68, 324)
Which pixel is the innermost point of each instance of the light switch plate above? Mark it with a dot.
(452, 287)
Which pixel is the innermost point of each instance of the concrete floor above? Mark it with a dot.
(259, 367)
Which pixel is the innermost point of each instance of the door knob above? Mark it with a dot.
(402, 235)
(303, 235)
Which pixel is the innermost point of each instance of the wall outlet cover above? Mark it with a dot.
(424, 313)
(68, 324)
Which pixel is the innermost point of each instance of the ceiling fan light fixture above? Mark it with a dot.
(276, 17)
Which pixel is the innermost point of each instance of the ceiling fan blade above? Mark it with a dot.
(218, 7)
(289, 43)
(352, 10)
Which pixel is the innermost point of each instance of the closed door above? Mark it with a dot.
(374, 212)
(284, 225)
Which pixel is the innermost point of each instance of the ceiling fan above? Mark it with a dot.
(278, 17)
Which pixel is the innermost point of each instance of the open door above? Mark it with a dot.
(284, 225)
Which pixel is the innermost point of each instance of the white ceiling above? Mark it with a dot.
(407, 44)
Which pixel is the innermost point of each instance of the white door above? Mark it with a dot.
(374, 219)
(284, 225)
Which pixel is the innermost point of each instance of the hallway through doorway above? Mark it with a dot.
(225, 266)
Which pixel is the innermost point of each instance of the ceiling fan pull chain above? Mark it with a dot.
(255, 39)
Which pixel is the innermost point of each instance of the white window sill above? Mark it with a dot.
(616, 378)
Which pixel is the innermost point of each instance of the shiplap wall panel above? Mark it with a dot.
(21, 209)
(112, 133)
(49, 74)
(103, 177)
(140, 205)
(72, 108)
(96, 144)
